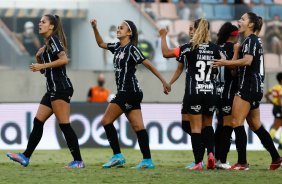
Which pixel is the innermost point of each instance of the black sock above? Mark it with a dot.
(217, 141)
(225, 142)
(241, 144)
(208, 138)
(34, 137)
(267, 142)
(203, 149)
(143, 141)
(72, 140)
(112, 137)
(186, 127)
(196, 139)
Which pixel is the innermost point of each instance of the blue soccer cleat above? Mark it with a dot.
(117, 159)
(192, 165)
(75, 164)
(145, 164)
(19, 157)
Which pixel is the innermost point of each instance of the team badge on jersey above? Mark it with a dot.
(196, 108)
(121, 55)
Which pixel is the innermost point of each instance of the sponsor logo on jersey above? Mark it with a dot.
(121, 55)
(53, 47)
(127, 106)
(205, 52)
(196, 108)
(220, 89)
(118, 69)
(212, 109)
(186, 50)
(205, 87)
(226, 109)
(246, 48)
(137, 55)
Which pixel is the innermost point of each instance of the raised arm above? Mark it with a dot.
(167, 53)
(177, 73)
(151, 67)
(99, 39)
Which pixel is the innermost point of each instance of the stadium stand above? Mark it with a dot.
(272, 62)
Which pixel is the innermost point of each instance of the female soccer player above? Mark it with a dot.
(247, 99)
(51, 60)
(227, 36)
(276, 92)
(129, 94)
(200, 91)
(171, 53)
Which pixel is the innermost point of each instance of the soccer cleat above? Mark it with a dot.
(192, 165)
(198, 166)
(75, 164)
(145, 164)
(211, 163)
(239, 167)
(19, 157)
(224, 166)
(216, 162)
(275, 164)
(117, 159)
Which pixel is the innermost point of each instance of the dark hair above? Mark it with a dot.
(58, 30)
(279, 77)
(257, 20)
(134, 35)
(224, 32)
(197, 22)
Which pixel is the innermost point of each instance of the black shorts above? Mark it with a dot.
(65, 95)
(128, 101)
(184, 109)
(224, 105)
(277, 111)
(253, 98)
(201, 104)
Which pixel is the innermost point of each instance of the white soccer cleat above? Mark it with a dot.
(224, 166)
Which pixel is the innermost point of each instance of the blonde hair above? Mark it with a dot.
(202, 33)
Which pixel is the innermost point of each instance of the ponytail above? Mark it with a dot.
(202, 33)
(58, 30)
(133, 29)
(257, 20)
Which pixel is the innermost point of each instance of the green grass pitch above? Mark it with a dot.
(46, 167)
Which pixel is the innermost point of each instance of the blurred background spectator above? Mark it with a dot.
(273, 35)
(30, 40)
(145, 46)
(98, 93)
(182, 38)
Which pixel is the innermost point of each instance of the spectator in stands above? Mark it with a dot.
(182, 38)
(273, 35)
(241, 7)
(98, 93)
(29, 40)
(188, 9)
(148, 10)
(108, 56)
(145, 1)
(159, 61)
(145, 46)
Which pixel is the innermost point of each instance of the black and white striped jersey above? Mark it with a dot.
(125, 64)
(57, 78)
(199, 74)
(251, 78)
(228, 83)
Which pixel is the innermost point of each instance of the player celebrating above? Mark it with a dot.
(276, 92)
(52, 59)
(227, 36)
(170, 53)
(129, 96)
(247, 99)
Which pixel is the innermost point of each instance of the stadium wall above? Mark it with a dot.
(27, 86)
(162, 121)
